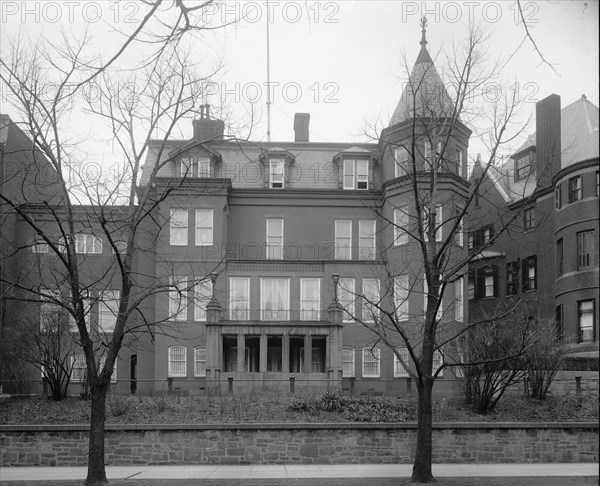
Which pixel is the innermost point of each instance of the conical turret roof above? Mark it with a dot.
(425, 94)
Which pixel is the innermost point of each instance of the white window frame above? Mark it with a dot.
(371, 356)
(400, 225)
(275, 314)
(348, 362)
(355, 174)
(440, 310)
(438, 222)
(39, 246)
(310, 308)
(121, 247)
(401, 161)
(87, 307)
(274, 238)
(369, 284)
(239, 309)
(399, 370)
(202, 294)
(178, 224)
(343, 242)
(88, 243)
(438, 361)
(401, 297)
(108, 309)
(177, 362)
(276, 173)
(78, 368)
(347, 297)
(460, 231)
(367, 239)
(460, 161)
(459, 300)
(203, 164)
(204, 227)
(113, 375)
(186, 167)
(48, 310)
(178, 303)
(200, 359)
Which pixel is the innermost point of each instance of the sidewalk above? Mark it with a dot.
(289, 472)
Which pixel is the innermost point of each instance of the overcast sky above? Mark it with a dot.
(342, 61)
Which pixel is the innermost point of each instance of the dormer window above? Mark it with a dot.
(356, 174)
(203, 166)
(401, 158)
(276, 173)
(195, 167)
(524, 166)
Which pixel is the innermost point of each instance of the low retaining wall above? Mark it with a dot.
(55, 445)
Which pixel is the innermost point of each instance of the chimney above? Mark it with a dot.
(205, 128)
(547, 143)
(301, 132)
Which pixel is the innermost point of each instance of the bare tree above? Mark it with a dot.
(118, 211)
(428, 209)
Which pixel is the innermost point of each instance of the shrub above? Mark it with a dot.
(370, 409)
(331, 401)
(159, 398)
(119, 404)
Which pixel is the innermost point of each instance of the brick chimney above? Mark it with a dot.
(548, 143)
(301, 122)
(205, 128)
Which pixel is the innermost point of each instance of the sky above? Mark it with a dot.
(341, 61)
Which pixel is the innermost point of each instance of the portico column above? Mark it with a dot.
(285, 353)
(307, 353)
(263, 353)
(241, 352)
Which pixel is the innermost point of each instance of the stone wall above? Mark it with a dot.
(300, 444)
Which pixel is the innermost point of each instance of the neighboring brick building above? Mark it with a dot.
(270, 233)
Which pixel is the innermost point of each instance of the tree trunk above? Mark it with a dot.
(422, 466)
(96, 470)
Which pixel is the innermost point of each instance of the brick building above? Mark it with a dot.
(274, 251)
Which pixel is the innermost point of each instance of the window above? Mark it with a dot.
(438, 314)
(113, 375)
(400, 225)
(371, 299)
(559, 323)
(559, 257)
(366, 239)
(438, 361)
(78, 368)
(597, 183)
(428, 154)
(529, 273)
(179, 227)
(483, 283)
(274, 239)
(186, 167)
(239, 298)
(480, 238)
(39, 246)
(276, 173)
(348, 362)
(274, 299)
(585, 250)
(529, 221)
(438, 222)
(108, 310)
(343, 239)
(87, 306)
(356, 174)
(177, 362)
(371, 362)
(178, 299)
(200, 361)
(512, 278)
(489, 282)
(557, 197)
(522, 167)
(202, 295)
(586, 318)
(459, 301)
(401, 297)
(346, 298)
(120, 246)
(310, 299)
(204, 227)
(460, 161)
(85, 243)
(401, 158)
(399, 370)
(574, 188)
(203, 166)
(459, 235)
(50, 311)
(471, 281)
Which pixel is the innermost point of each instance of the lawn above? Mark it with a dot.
(326, 408)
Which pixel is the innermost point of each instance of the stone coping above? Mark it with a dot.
(302, 426)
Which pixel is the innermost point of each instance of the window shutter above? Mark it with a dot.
(495, 270)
